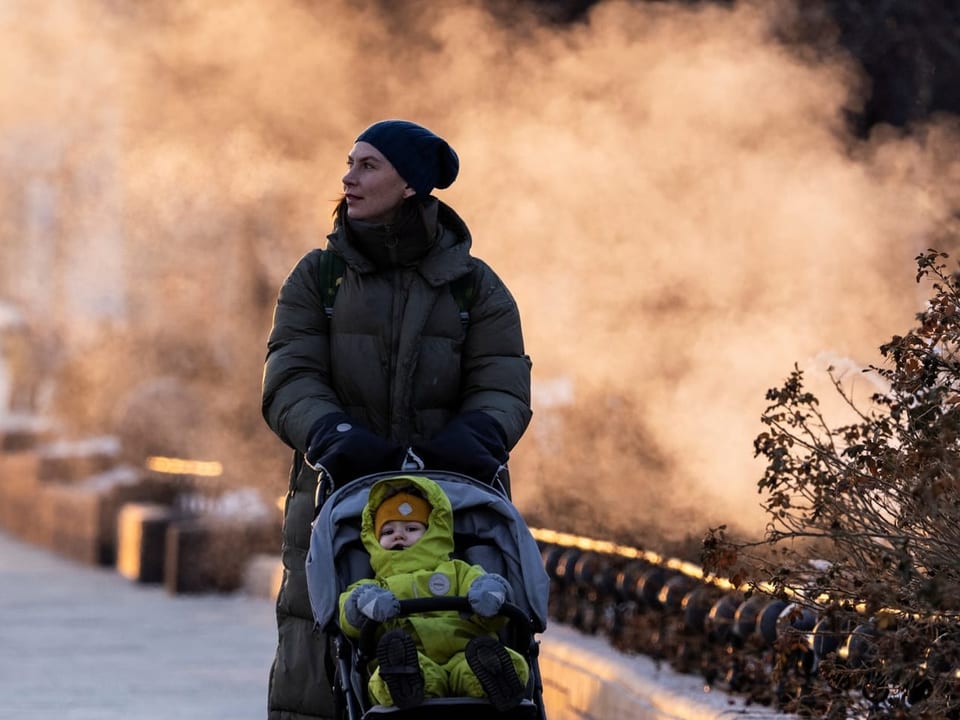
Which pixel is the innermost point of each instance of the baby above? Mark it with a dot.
(407, 527)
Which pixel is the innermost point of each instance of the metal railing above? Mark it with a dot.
(774, 650)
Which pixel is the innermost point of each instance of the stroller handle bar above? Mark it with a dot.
(456, 603)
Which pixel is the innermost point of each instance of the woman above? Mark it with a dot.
(418, 358)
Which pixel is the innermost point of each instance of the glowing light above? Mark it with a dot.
(180, 466)
(610, 548)
(553, 537)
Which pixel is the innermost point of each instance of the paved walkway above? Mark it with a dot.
(81, 643)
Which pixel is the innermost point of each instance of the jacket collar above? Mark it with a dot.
(399, 244)
(447, 258)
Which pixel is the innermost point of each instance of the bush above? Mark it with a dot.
(865, 517)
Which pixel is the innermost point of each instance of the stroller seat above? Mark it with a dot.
(488, 531)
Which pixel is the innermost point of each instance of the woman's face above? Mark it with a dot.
(372, 188)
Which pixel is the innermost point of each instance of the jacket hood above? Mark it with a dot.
(434, 546)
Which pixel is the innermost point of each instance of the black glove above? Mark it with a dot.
(473, 443)
(346, 450)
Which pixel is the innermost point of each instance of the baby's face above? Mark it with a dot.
(400, 534)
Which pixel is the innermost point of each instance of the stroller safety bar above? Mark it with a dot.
(517, 617)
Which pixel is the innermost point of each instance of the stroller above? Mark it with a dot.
(488, 531)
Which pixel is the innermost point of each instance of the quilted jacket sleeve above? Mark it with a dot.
(496, 368)
(296, 387)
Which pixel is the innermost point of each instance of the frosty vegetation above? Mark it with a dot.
(864, 522)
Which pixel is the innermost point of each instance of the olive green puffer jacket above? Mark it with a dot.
(398, 359)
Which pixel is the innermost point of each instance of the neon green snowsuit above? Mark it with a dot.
(426, 570)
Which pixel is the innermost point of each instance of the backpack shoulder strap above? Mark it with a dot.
(464, 292)
(330, 272)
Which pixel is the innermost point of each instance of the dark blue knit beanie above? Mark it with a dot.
(424, 160)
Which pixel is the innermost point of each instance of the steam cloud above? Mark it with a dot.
(670, 193)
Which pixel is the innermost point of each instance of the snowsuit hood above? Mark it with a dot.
(434, 546)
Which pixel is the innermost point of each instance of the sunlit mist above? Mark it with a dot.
(671, 194)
